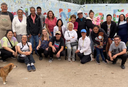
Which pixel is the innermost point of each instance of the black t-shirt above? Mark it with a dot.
(57, 43)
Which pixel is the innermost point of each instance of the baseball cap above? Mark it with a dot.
(83, 30)
(79, 12)
(58, 32)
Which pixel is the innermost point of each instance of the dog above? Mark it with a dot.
(4, 71)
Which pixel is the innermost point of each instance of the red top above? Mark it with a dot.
(75, 25)
(51, 23)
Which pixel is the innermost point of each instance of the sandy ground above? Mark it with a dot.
(67, 74)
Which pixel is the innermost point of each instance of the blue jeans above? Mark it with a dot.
(98, 53)
(34, 39)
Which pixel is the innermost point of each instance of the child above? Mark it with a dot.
(99, 48)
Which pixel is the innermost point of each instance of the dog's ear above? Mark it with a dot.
(10, 67)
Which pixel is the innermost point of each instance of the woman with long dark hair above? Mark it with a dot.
(122, 30)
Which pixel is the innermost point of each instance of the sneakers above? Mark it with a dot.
(50, 60)
(40, 58)
(73, 59)
(29, 68)
(59, 58)
(33, 68)
(69, 59)
(122, 66)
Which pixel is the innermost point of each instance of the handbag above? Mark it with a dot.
(73, 43)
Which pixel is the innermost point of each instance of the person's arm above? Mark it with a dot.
(122, 52)
(13, 27)
(87, 46)
(8, 49)
(110, 55)
(19, 51)
(30, 49)
(43, 21)
(113, 31)
(93, 39)
(39, 45)
(40, 27)
(54, 31)
(67, 36)
(46, 24)
(75, 35)
(76, 26)
(62, 46)
(28, 26)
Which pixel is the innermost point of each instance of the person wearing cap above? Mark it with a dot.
(56, 46)
(94, 34)
(83, 23)
(70, 37)
(84, 48)
(7, 17)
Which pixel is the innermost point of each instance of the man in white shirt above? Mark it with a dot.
(84, 49)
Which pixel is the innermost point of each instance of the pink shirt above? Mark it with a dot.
(51, 23)
(33, 18)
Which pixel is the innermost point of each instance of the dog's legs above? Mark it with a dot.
(4, 79)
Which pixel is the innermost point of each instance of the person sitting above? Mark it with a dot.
(70, 37)
(8, 46)
(56, 46)
(84, 48)
(25, 49)
(118, 50)
(43, 44)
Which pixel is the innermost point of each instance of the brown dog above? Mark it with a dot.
(4, 71)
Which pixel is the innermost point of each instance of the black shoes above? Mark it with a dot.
(122, 66)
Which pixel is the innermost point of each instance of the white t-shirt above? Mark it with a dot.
(24, 48)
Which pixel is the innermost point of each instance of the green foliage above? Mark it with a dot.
(95, 1)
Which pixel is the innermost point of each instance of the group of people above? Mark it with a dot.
(82, 36)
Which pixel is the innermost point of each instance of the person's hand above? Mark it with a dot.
(68, 40)
(53, 49)
(37, 47)
(109, 40)
(114, 56)
(30, 35)
(58, 54)
(50, 34)
(14, 34)
(101, 43)
(98, 46)
(46, 49)
(14, 54)
(72, 37)
(75, 29)
(77, 51)
(38, 35)
(111, 58)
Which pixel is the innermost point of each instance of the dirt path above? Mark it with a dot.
(67, 74)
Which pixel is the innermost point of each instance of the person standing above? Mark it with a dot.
(95, 34)
(109, 27)
(73, 20)
(19, 25)
(33, 28)
(42, 18)
(50, 22)
(122, 29)
(83, 23)
(5, 20)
